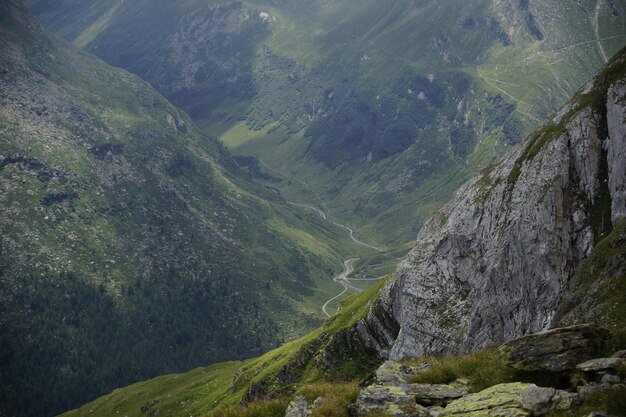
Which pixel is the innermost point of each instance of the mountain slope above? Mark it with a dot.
(549, 225)
(375, 110)
(500, 259)
(131, 243)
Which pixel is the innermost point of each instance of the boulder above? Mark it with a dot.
(600, 364)
(298, 407)
(619, 354)
(388, 400)
(540, 400)
(498, 401)
(431, 394)
(391, 372)
(610, 379)
(586, 391)
(556, 350)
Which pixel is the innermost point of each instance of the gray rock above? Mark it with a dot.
(298, 407)
(388, 400)
(585, 391)
(619, 354)
(610, 379)
(540, 400)
(600, 364)
(432, 394)
(498, 401)
(391, 372)
(496, 262)
(435, 410)
(555, 350)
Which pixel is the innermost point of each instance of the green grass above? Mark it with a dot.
(224, 384)
(600, 293)
(371, 48)
(483, 369)
(179, 394)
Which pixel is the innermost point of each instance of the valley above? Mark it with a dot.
(366, 106)
(261, 208)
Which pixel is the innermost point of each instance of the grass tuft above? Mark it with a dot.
(337, 397)
(483, 369)
(264, 408)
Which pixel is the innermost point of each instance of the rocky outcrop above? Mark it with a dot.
(556, 350)
(391, 372)
(388, 400)
(600, 364)
(298, 407)
(543, 400)
(497, 261)
(499, 400)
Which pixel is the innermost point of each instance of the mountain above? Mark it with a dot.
(376, 111)
(131, 243)
(533, 242)
(511, 253)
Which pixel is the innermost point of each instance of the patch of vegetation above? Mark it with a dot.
(483, 369)
(337, 397)
(263, 408)
(219, 389)
(600, 283)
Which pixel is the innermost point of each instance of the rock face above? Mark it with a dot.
(496, 262)
(556, 350)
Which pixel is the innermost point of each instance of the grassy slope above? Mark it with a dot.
(360, 52)
(127, 234)
(200, 390)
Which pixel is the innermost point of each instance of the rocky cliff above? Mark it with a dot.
(498, 260)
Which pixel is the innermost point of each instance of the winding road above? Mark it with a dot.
(343, 226)
(348, 265)
(342, 279)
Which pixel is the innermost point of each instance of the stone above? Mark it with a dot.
(556, 350)
(388, 400)
(432, 394)
(498, 401)
(585, 391)
(462, 384)
(619, 354)
(435, 410)
(391, 372)
(543, 400)
(600, 364)
(610, 379)
(298, 407)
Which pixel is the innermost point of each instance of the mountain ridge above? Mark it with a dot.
(574, 238)
(130, 239)
(368, 105)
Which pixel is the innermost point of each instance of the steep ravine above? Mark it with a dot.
(497, 261)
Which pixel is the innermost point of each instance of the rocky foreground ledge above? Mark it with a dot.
(564, 354)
